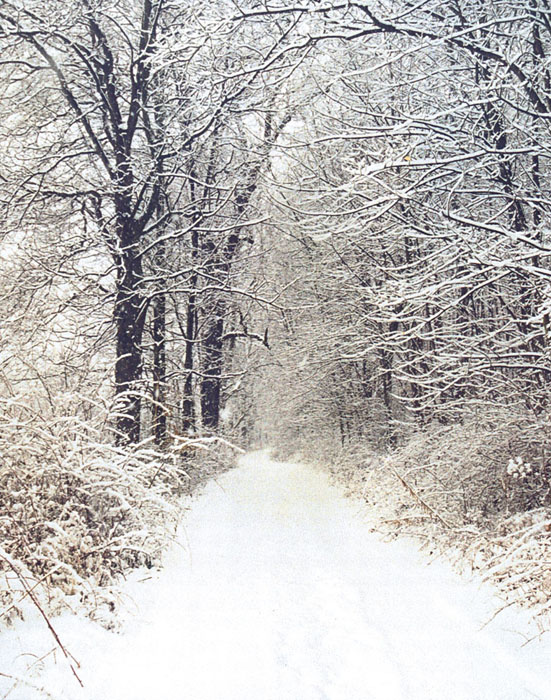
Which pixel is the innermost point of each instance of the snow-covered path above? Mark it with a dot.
(281, 592)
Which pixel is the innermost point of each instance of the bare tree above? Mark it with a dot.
(132, 97)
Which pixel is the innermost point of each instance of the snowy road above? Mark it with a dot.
(280, 592)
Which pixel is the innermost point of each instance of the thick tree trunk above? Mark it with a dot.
(128, 367)
(129, 316)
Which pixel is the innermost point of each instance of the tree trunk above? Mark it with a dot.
(129, 316)
(128, 367)
(188, 403)
(212, 370)
(159, 369)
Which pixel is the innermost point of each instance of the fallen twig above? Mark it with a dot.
(418, 498)
(30, 592)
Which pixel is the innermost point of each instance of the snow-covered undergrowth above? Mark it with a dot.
(77, 512)
(478, 492)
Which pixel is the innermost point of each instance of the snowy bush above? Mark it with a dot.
(77, 511)
(478, 492)
(480, 468)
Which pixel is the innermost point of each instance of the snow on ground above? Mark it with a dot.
(277, 590)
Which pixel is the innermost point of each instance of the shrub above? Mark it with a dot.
(77, 511)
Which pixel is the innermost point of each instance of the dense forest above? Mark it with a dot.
(319, 226)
